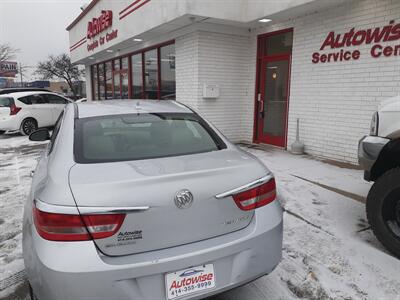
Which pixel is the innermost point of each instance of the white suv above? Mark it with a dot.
(28, 111)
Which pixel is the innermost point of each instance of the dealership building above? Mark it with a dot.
(251, 67)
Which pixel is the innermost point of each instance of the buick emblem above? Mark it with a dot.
(183, 199)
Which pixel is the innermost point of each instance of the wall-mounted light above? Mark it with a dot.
(91, 57)
(109, 51)
(264, 20)
(137, 40)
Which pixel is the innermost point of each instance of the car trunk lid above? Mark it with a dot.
(145, 190)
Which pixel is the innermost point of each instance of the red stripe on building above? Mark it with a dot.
(129, 6)
(78, 45)
(80, 41)
(133, 9)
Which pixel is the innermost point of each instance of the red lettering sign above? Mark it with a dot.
(388, 33)
(98, 25)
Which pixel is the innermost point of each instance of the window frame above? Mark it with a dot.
(129, 73)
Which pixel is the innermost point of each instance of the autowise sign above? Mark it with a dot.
(339, 46)
(8, 69)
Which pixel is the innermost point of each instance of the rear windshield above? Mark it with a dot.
(142, 136)
(6, 101)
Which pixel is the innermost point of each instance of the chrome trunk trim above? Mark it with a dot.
(87, 210)
(245, 187)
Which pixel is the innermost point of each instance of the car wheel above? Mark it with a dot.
(28, 126)
(383, 210)
(32, 294)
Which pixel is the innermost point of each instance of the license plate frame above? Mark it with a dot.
(189, 281)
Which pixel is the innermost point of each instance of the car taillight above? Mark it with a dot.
(64, 227)
(256, 197)
(14, 109)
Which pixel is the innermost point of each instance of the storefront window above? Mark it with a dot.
(151, 74)
(148, 74)
(124, 85)
(95, 83)
(137, 76)
(124, 62)
(109, 80)
(117, 90)
(167, 54)
(116, 65)
(102, 91)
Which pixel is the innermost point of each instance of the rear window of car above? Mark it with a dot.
(6, 101)
(142, 136)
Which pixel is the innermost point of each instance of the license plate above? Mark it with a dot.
(189, 281)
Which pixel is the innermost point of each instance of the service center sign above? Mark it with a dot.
(373, 36)
(8, 69)
(98, 26)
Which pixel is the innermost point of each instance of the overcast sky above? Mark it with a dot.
(37, 27)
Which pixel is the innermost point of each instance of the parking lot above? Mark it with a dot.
(329, 251)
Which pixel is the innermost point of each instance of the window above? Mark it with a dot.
(6, 101)
(167, 54)
(279, 44)
(124, 77)
(33, 99)
(117, 80)
(109, 80)
(102, 91)
(148, 74)
(143, 136)
(151, 74)
(117, 65)
(54, 99)
(124, 85)
(95, 83)
(137, 77)
(124, 63)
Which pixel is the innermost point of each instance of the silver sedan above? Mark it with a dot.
(145, 199)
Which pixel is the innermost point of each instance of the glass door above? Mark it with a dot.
(273, 100)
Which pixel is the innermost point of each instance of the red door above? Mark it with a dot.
(273, 100)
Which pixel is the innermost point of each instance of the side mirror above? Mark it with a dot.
(40, 135)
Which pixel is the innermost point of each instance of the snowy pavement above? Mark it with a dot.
(329, 251)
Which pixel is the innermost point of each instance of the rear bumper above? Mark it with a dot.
(369, 148)
(9, 123)
(77, 271)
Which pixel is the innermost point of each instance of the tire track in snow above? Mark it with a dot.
(14, 279)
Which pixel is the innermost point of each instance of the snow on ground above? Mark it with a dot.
(329, 251)
(17, 160)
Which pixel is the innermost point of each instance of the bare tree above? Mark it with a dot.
(60, 67)
(7, 52)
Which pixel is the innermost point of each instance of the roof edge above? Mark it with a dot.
(82, 14)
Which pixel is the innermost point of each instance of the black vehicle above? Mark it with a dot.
(17, 90)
